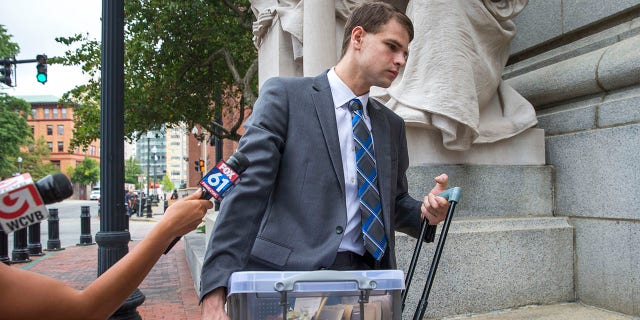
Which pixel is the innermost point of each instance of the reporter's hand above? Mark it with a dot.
(434, 208)
(185, 214)
(213, 305)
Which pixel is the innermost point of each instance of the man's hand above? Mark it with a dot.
(213, 305)
(434, 208)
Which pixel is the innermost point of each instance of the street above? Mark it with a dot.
(69, 225)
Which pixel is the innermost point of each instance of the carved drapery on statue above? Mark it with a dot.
(452, 81)
(290, 13)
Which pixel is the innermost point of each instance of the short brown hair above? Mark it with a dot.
(371, 16)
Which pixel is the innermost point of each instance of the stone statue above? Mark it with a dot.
(290, 14)
(452, 81)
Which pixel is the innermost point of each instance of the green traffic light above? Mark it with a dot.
(42, 78)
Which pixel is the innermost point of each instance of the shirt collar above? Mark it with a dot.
(341, 94)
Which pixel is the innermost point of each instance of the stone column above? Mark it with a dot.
(275, 55)
(319, 37)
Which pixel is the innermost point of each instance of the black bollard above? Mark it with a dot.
(53, 244)
(4, 247)
(149, 213)
(34, 246)
(20, 253)
(166, 205)
(85, 227)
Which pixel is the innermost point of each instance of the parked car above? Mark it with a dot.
(95, 195)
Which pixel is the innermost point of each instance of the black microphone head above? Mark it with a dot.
(238, 162)
(54, 188)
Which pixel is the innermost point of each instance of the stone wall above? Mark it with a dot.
(580, 67)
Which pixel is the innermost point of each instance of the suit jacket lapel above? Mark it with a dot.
(323, 103)
(382, 146)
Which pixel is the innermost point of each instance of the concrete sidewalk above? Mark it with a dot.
(168, 289)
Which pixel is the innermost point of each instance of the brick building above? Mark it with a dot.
(54, 122)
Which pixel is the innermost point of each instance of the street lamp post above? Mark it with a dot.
(154, 150)
(155, 176)
(148, 196)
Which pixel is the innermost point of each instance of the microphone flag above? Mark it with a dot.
(20, 203)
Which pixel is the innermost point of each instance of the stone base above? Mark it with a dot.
(504, 248)
(527, 148)
(492, 264)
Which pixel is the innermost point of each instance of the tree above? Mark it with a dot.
(132, 171)
(185, 62)
(14, 132)
(166, 183)
(8, 48)
(86, 172)
(36, 159)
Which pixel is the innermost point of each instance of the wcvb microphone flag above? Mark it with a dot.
(20, 203)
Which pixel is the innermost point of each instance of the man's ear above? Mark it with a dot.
(357, 34)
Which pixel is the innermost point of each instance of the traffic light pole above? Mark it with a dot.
(13, 61)
(41, 59)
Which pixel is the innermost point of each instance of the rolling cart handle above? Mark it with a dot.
(453, 195)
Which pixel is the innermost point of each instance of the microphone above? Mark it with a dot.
(22, 201)
(220, 180)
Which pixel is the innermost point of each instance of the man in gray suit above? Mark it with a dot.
(299, 204)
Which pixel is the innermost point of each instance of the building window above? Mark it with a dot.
(60, 130)
(50, 145)
(92, 150)
(55, 113)
(56, 163)
(64, 113)
(33, 130)
(60, 146)
(33, 113)
(175, 173)
(175, 143)
(47, 113)
(49, 130)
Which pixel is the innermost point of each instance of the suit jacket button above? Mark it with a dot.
(339, 230)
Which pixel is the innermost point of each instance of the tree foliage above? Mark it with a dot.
(14, 132)
(131, 171)
(86, 172)
(166, 183)
(36, 159)
(185, 62)
(8, 48)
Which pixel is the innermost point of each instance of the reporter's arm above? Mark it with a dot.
(27, 295)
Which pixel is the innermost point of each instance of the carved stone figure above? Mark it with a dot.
(291, 14)
(452, 81)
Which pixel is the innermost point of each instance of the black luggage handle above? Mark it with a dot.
(453, 195)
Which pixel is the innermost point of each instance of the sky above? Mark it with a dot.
(34, 25)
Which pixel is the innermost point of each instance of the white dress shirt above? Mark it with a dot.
(352, 239)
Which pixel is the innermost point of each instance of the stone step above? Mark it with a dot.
(491, 190)
(559, 311)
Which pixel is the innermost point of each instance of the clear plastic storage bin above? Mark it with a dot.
(315, 295)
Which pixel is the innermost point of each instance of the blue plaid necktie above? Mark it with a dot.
(375, 241)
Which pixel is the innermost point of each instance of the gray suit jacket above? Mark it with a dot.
(288, 211)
